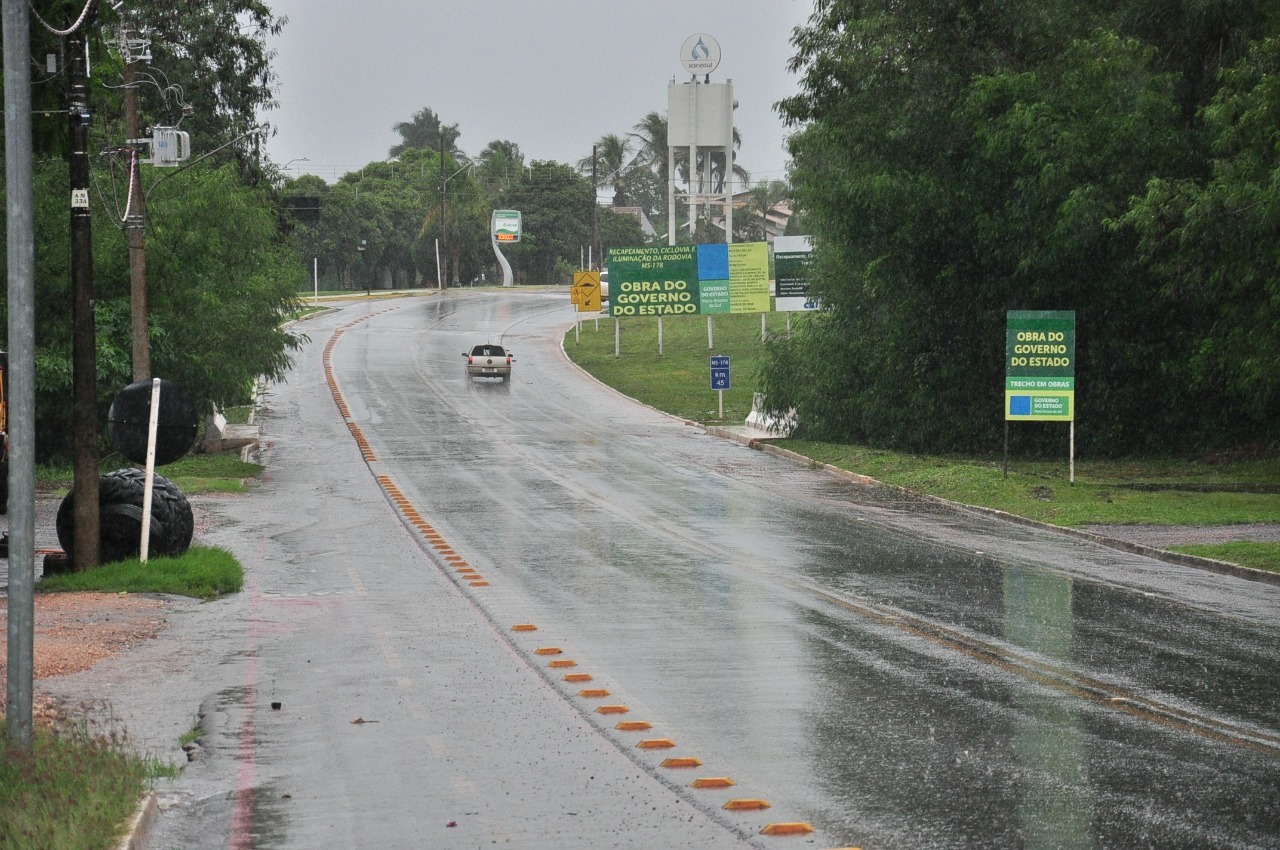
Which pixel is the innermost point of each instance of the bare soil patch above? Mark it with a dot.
(74, 631)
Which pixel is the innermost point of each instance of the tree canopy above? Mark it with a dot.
(959, 160)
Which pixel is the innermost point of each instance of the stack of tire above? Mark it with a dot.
(121, 493)
(120, 498)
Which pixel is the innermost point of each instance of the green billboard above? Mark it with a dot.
(1040, 365)
(684, 280)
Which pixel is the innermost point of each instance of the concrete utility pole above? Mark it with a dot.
(444, 245)
(84, 391)
(20, 229)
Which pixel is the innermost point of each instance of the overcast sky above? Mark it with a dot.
(552, 76)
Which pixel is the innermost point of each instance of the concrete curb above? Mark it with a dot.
(1179, 558)
(140, 824)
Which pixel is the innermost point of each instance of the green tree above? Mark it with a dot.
(555, 201)
(425, 131)
(221, 285)
(611, 164)
(499, 164)
(210, 71)
(750, 221)
(1211, 240)
(618, 230)
(955, 161)
(649, 175)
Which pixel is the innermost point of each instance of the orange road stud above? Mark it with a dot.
(524, 627)
(612, 709)
(577, 677)
(683, 761)
(656, 744)
(633, 726)
(562, 662)
(548, 650)
(712, 782)
(479, 583)
(593, 693)
(792, 828)
(746, 805)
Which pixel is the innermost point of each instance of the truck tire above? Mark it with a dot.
(120, 496)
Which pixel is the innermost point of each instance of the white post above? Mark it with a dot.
(721, 394)
(764, 330)
(1071, 459)
(693, 156)
(144, 545)
(617, 338)
(659, 336)
(711, 341)
(315, 280)
(439, 280)
(671, 195)
(728, 169)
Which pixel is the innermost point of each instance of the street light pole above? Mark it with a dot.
(444, 245)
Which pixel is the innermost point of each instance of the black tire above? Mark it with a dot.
(120, 496)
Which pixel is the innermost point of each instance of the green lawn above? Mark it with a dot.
(1160, 491)
(72, 791)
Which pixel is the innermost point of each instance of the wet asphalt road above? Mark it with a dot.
(893, 673)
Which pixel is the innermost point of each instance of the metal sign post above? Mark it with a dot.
(720, 380)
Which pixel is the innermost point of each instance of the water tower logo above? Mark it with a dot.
(700, 54)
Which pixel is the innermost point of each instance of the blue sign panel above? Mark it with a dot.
(720, 372)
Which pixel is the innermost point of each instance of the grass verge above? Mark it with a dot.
(72, 791)
(203, 572)
(1157, 491)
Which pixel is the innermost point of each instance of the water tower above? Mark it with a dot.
(700, 119)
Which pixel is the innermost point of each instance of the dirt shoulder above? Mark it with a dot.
(74, 631)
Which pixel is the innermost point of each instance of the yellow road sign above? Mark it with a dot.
(585, 291)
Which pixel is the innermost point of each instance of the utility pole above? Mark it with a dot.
(135, 224)
(84, 410)
(444, 270)
(595, 213)
(20, 261)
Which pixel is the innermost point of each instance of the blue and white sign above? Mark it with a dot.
(720, 373)
(700, 54)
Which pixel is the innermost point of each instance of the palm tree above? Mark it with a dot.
(611, 165)
(750, 220)
(650, 138)
(425, 132)
(500, 161)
